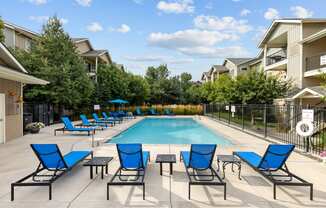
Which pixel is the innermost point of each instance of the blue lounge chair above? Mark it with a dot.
(112, 119)
(168, 112)
(117, 116)
(272, 165)
(87, 123)
(69, 126)
(152, 112)
(132, 159)
(199, 159)
(138, 112)
(51, 161)
(98, 120)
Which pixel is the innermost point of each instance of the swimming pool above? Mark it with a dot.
(169, 131)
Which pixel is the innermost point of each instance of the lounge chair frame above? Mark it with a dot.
(63, 129)
(195, 181)
(56, 174)
(271, 177)
(138, 181)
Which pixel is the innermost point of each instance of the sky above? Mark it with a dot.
(187, 35)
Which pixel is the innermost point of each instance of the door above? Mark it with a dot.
(2, 118)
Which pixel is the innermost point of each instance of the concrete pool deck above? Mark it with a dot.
(75, 189)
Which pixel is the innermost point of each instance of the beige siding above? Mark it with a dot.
(232, 69)
(23, 42)
(14, 123)
(315, 48)
(311, 28)
(105, 59)
(83, 47)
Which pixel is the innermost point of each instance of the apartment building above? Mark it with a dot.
(22, 38)
(296, 50)
(231, 66)
(18, 37)
(91, 56)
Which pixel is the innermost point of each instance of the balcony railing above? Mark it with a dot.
(316, 62)
(276, 57)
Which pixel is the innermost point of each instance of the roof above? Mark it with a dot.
(237, 61)
(22, 30)
(276, 22)
(314, 37)
(205, 74)
(94, 53)
(219, 68)
(316, 91)
(14, 70)
(79, 39)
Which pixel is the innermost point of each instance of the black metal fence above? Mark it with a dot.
(274, 121)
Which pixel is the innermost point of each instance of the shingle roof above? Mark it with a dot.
(94, 53)
(78, 39)
(220, 68)
(238, 61)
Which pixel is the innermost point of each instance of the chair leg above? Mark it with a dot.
(311, 192)
(143, 191)
(189, 187)
(12, 192)
(224, 191)
(50, 192)
(107, 193)
(274, 191)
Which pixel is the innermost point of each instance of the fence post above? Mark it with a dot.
(265, 120)
(242, 107)
(229, 113)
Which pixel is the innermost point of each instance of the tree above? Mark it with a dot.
(112, 83)
(253, 87)
(157, 78)
(53, 57)
(2, 36)
(138, 91)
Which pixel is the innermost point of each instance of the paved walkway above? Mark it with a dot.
(76, 189)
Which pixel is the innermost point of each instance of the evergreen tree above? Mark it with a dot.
(53, 57)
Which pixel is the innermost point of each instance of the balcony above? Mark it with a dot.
(277, 61)
(315, 65)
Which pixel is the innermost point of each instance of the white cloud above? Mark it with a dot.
(122, 29)
(188, 38)
(301, 12)
(271, 13)
(94, 27)
(84, 3)
(177, 6)
(198, 43)
(245, 12)
(43, 19)
(216, 52)
(260, 32)
(228, 24)
(158, 59)
(38, 2)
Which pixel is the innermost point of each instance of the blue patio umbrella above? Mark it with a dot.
(119, 102)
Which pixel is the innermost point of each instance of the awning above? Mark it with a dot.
(13, 75)
(311, 92)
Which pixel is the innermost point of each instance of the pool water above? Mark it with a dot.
(169, 131)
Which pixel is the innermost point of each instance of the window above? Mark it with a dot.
(244, 69)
